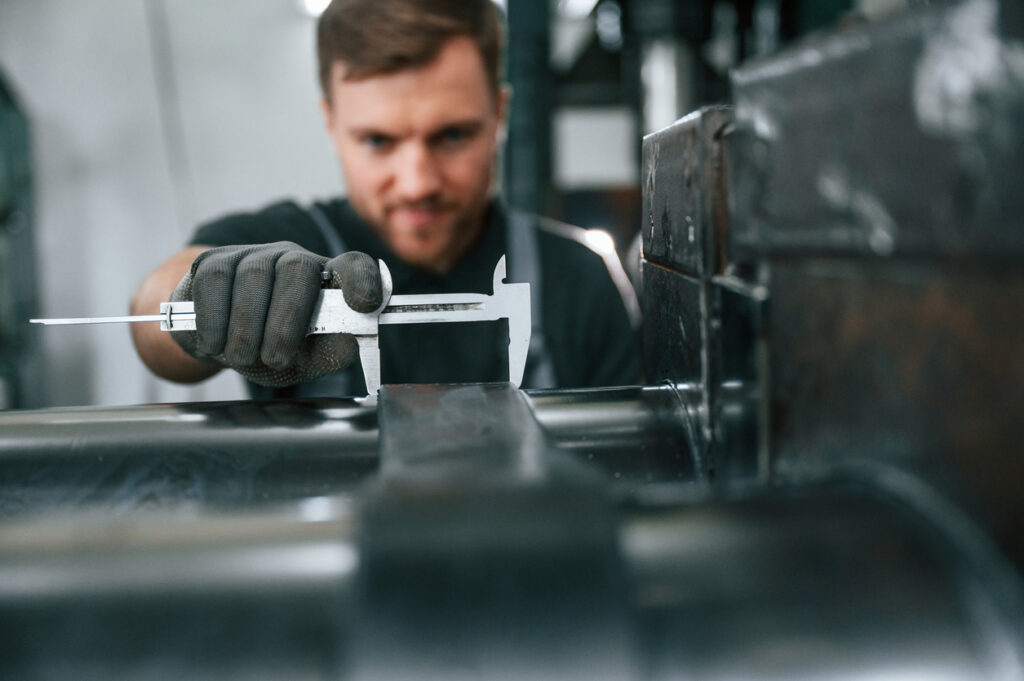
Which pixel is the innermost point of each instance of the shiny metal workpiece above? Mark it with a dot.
(452, 529)
(333, 315)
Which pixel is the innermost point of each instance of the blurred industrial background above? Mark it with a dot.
(817, 479)
(126, 123)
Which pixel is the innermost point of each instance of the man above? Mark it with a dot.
(414, 107)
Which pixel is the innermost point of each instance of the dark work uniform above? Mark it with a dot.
(585, 333)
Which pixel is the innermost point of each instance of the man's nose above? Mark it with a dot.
(417, 175)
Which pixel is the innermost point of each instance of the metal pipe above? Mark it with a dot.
(484, 549)
(215, 453)
(824, 582)
(828, 582)
(159, 595)
(238, 453)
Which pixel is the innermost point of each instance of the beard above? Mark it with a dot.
(432, 234)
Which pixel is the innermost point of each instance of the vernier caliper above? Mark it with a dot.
(333, 315)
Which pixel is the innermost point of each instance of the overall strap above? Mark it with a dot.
(335, 244)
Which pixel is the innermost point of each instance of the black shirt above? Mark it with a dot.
(587, 330)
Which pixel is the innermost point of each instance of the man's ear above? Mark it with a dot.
(325, 111)
(502, 101)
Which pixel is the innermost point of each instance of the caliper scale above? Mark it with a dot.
(333, 315)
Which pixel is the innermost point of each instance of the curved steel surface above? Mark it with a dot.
(157, 595)
(223, 452)
(827, 582)
(239, 540)
(830, 582)
(226, 453)
(639, 435)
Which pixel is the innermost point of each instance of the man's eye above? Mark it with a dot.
(452, 137)
(377, 142)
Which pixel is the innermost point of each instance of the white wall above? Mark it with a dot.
(594, 147)
(149, 116)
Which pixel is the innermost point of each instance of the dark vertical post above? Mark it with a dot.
(20, 362)
(528, 153)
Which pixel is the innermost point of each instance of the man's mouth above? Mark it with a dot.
(419, 217)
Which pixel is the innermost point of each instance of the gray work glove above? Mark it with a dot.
(254, 304)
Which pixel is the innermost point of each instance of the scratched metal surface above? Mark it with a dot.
(217, 453)
(682, 177)
(875, 175)
(234, 454)
(896, 138)
(702, 310)
(911, 367)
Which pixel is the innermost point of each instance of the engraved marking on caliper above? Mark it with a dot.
(434, 307)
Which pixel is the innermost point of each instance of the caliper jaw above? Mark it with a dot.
(514, 300)
(333, 315)
(508, 301)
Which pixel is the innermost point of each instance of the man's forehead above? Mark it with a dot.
(380, 104)
(457, 71)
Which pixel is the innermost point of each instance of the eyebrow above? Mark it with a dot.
(467, 130)
(468, 125)
(367, 132)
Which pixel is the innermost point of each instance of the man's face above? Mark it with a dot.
(417, 148)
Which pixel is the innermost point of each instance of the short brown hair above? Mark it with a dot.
(374, 37)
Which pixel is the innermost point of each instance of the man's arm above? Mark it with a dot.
(157, 349)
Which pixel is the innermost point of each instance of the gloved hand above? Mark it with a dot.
(254, 303)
